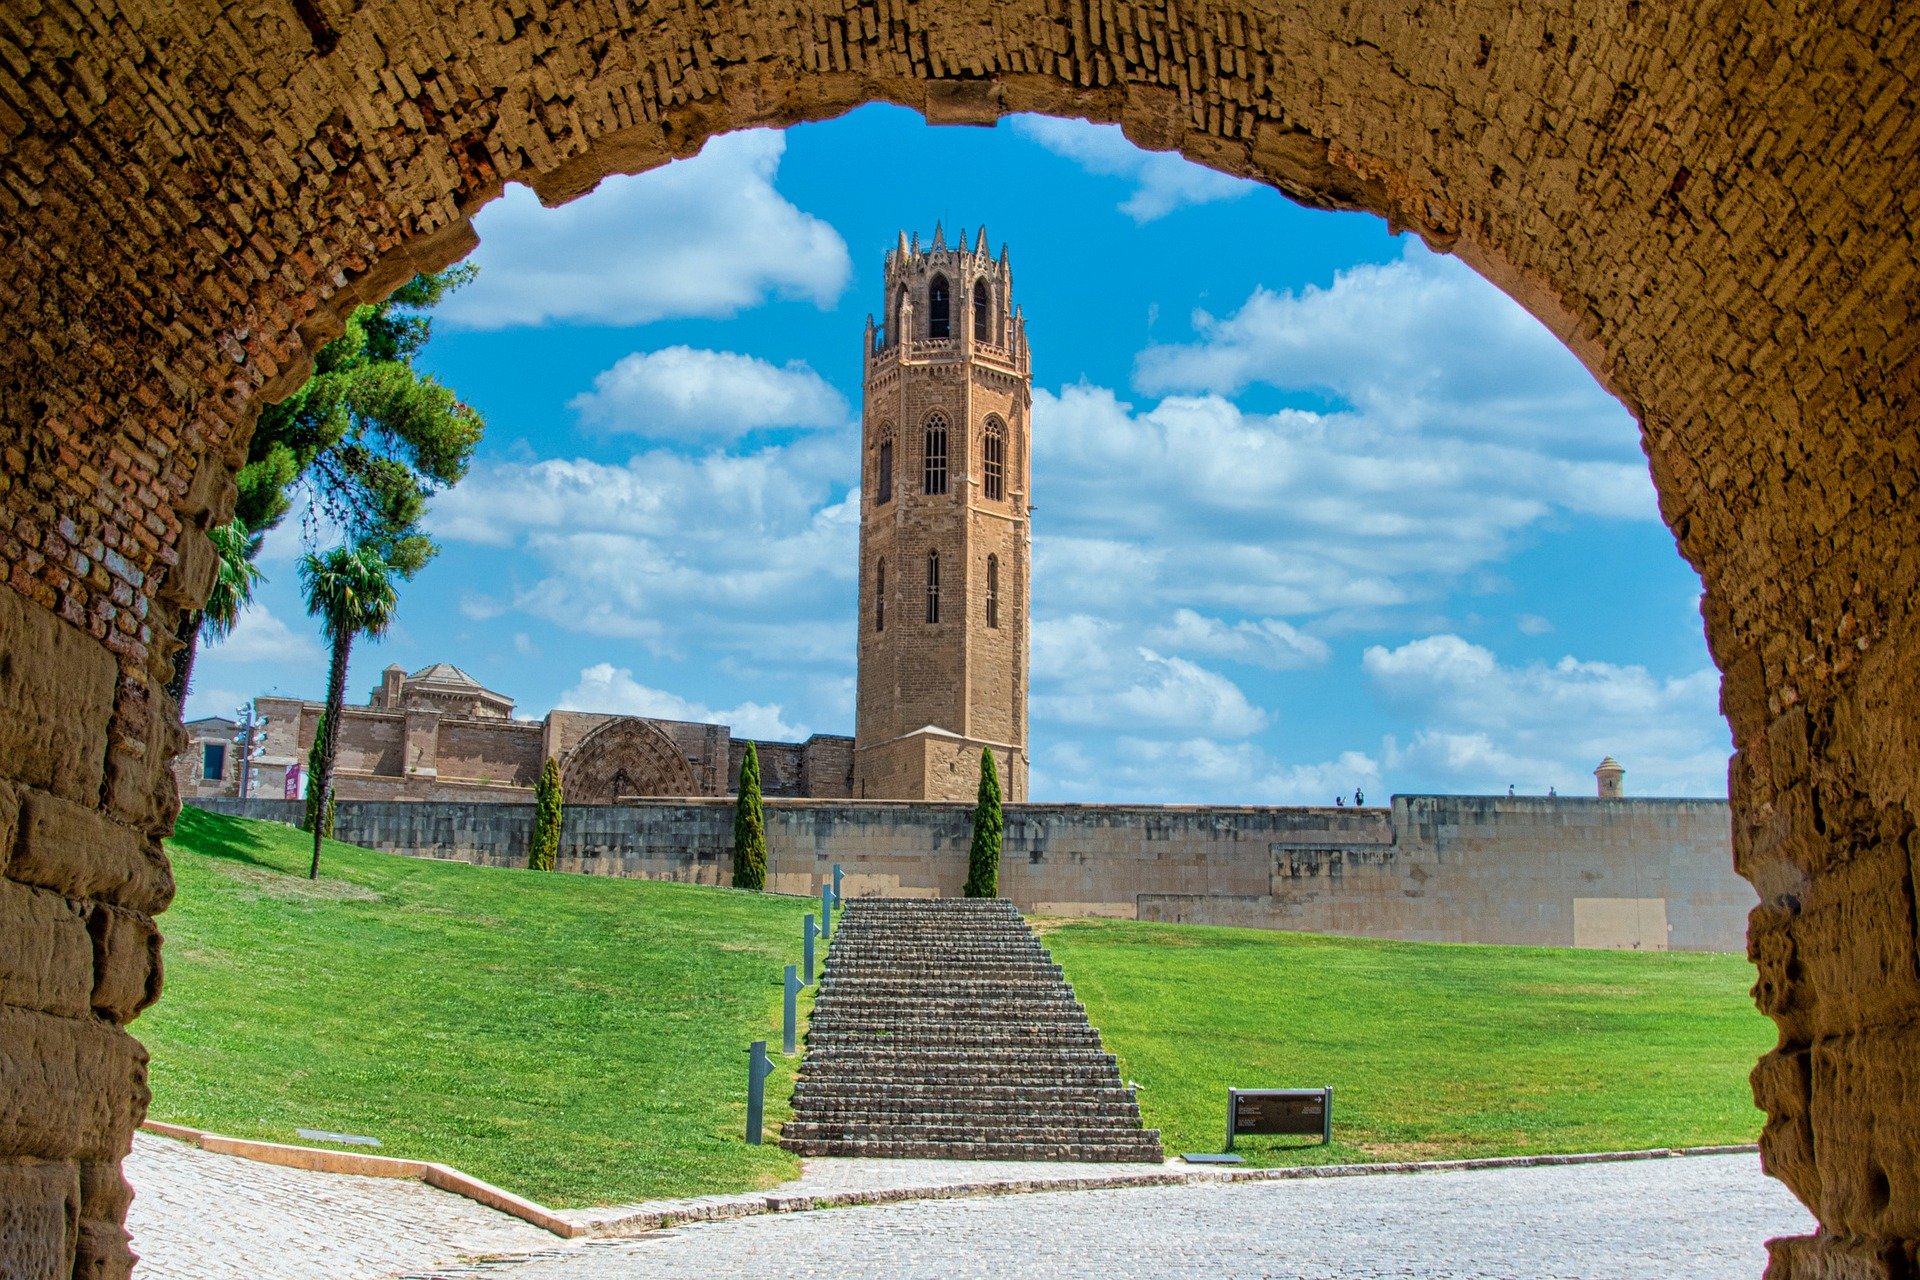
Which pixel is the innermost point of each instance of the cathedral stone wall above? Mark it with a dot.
(508, 752)
(1651, 875)
(1711, 205)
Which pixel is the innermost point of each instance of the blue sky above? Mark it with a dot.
(1317, 509)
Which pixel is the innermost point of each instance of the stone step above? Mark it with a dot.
(980, 1090)
(951, 1110)
(943, 1029)
(1140, 1147)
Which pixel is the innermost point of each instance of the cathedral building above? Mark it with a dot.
(942, 619)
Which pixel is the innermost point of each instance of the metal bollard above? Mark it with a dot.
(838, 901)
(759, 1066)
(826, 907)
(808, 934)
(790, 1016)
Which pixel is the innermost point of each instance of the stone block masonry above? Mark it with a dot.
(1640, 874)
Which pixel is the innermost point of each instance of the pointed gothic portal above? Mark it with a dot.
(948, 387)
(622, 760)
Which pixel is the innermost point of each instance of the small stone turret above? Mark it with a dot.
(1612, 779)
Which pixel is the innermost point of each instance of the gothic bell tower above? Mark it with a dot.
(944, 536)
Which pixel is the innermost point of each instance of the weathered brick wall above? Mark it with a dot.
(1711, 205)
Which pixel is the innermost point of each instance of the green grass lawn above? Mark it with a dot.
(581, 1040)
(1434, 1051)
(575, 1039)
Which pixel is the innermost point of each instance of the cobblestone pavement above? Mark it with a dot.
(1695, 1218)
(201, 1216)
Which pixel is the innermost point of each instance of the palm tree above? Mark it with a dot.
(234, 577)
(350, 589)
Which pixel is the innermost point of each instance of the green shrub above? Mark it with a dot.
(749, 827)
(983, 859)
(547, 807)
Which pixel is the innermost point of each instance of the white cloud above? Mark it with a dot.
(1532, 624)
(202, 703)
(1086, 673)
(607, 688)
(1418, 347)
(1198, 504)
(683, 393)
(706, 236)
(727, 556)
(1263, 642)
(1163, 180)
(258, 636)
(1199, 770)
(1485, 725)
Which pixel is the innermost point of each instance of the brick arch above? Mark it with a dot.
(188, 206)
(625, 757)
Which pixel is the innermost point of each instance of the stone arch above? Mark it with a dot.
(187, 211)
(624, 758)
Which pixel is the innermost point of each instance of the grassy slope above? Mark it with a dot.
(1434, 1051)
(578, 1040)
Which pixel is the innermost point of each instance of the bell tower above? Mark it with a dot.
(944, 536)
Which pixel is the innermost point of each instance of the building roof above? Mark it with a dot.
(445, 673)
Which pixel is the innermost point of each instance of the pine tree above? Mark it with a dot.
(548, 803)
(983, 859)
(749, 827)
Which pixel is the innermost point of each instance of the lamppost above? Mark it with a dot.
(247, 740)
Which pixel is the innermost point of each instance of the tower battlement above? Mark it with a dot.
(940, 300)
(945, 545)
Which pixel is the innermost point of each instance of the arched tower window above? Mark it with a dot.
(993, 461)
(883, 472)
(880, 596)
(937, 326)
(934, 474)
(993, 591)
(933, 586)
(982, 313)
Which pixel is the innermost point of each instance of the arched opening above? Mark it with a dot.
(938, 323)
(883, 471)
(993, 591)
(1715, 367)
(933, 455)
(933, 587)
(880, 595)
(993, 461)
(982, 312)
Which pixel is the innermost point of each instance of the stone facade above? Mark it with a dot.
(439, 734)
(1648, 875)
(944, 527)
(1711, 205)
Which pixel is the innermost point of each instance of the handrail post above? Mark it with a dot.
(838, 901)
(759, 1066)
(807, 934)
(826, 907)
(790, 1016)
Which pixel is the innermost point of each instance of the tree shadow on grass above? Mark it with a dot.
(214, 836)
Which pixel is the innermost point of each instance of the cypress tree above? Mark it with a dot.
(983, 859)
(547, 802)
(315, 754)
(749, 827)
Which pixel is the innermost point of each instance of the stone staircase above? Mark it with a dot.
(943, 1030)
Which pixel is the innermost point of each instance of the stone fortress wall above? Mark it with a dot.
(1642, 873)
